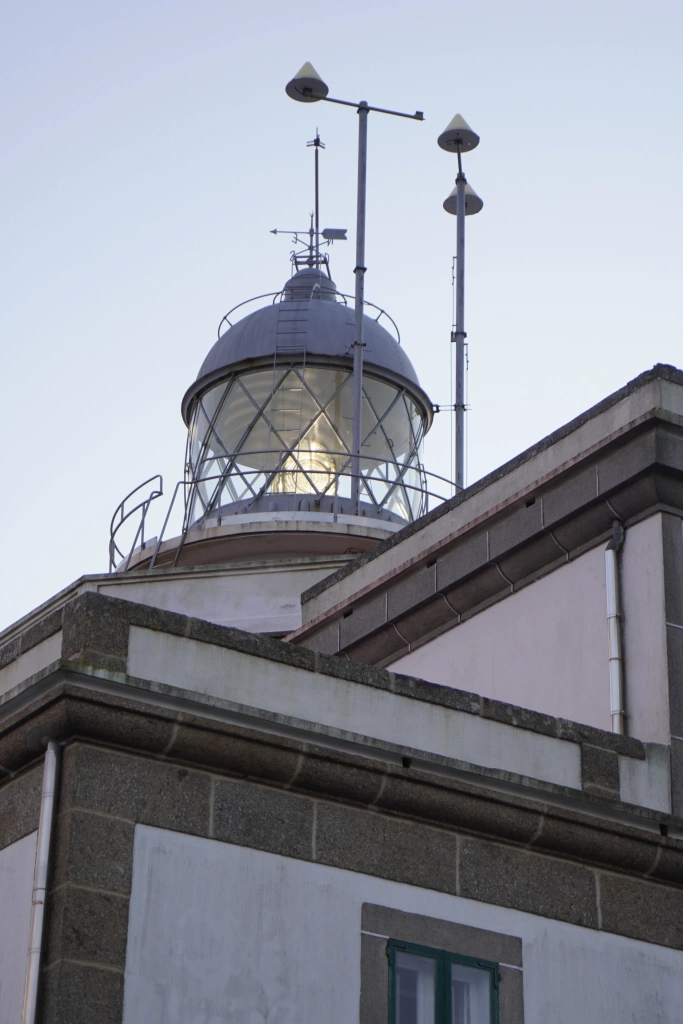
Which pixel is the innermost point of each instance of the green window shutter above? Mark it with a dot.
(443, 981)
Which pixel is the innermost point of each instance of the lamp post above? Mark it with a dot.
(463, 201)
(308, 87)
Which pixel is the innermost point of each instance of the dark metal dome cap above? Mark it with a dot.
(309, 283)
(307, 321)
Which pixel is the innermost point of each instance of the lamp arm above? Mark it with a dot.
(417, 116)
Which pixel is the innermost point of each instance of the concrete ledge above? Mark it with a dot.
(95, 639)
(96, 634)
(154, 768)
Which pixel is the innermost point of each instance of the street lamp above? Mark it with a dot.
(308, 87)
(463, 201)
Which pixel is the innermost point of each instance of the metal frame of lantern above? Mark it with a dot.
(252, 447)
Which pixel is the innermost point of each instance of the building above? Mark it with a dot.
(445, 796)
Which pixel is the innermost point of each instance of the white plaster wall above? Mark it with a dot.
(226, 935)
(348, 710)
(265, 599)
(644, 632)
(544, 647)
(16, 885)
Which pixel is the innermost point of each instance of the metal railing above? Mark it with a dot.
(124, 516)
(291, 462)
(190, 490)
(274, 296)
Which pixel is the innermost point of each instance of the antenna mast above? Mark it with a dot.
(317, 145)
(312, 257)
(460, 334)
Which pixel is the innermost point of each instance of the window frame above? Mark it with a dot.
(444, 958)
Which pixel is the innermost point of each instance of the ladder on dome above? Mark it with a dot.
(292, 323)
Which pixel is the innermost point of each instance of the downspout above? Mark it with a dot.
(616, 650)
(40, 875)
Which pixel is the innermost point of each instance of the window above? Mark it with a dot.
(448, 972)
(431, 986)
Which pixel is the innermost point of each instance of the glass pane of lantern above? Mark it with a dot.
(374, 442)
(415, 418)
(413, 493)
(291, 409)
(261, 384)
(262, 448)
(396, 425)
(380, 395)
(415, 992)
(212, 398)
(340, 409)
(235, 415)
(198, 430)
(321, 436)
(307, 471)
(323, 382)
(470, 995)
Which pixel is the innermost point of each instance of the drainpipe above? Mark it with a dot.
(616, 651)
(35, 947)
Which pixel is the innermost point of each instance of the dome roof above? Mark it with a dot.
(307, 320)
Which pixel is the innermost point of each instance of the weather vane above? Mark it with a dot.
(311, 255)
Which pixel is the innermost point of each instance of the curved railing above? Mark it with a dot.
(431, 494)
(189, 487)
(274, 295)
(124, 516)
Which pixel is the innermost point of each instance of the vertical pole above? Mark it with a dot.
(459, 334)
(358, 344)
(614, 635)
(317, 206)
(40, 880)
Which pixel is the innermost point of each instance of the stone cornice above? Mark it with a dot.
(74, 714)
(95, 632)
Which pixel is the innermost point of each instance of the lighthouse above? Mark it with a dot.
(269, 473)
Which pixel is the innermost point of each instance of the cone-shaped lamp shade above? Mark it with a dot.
(457, 134)
(307, 81)
(473, 203)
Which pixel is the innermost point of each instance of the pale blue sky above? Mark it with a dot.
(149, 147)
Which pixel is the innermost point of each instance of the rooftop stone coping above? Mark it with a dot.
(95, 630)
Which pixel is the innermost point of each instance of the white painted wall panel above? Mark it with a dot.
(262, 600)
(544, 647)
(350, 709)
(226, 935)
(647, 783)
(16, 885)
(644, 632)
